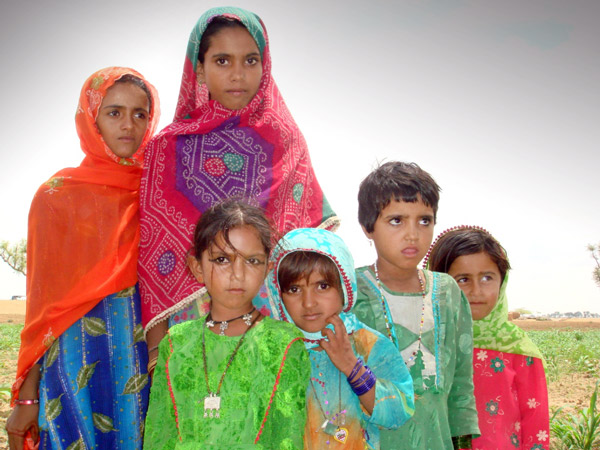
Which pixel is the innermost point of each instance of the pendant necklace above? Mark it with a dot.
(388, 322)
(224, 324)
(333, 425)
(212, 402)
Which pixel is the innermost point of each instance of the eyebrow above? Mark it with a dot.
(222, 55)
(470, 274)
(139, 108)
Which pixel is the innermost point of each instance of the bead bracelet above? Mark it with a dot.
(33, 401)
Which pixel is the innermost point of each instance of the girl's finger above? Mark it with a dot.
(338, 325)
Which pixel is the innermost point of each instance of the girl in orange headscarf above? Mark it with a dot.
(83, 359)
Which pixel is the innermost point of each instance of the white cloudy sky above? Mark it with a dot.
(498, 100)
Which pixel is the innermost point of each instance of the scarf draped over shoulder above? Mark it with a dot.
(211, 153)
(83, 232)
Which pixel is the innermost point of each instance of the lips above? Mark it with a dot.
(410, 251)
(236, 291)
(311, 317)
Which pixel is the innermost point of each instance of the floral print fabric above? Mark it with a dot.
(512, 401)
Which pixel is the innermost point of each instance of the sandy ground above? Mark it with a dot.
(553, 324)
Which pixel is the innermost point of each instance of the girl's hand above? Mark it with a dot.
(338, 345)
(23, 418)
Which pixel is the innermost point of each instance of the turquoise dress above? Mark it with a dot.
(336, 418)
(94, 381)
(442, 370)
(263, 394)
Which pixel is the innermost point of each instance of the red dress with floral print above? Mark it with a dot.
(512, 401)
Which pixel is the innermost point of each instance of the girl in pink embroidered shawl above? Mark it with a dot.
(508, 371)
(232, 136)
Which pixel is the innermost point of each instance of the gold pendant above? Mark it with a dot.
(341, 435)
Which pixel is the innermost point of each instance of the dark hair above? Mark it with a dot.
(403, 182)
(225, 216)
(299, 265)
(214, 26)
(136, 81)
(466, 241)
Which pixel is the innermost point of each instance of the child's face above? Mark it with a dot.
(402, 234)
(311, 302)
(232, 68)
(123, 118)
(233, 276)
(479, 278)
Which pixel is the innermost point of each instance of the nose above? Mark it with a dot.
(237, 71)
(238, 269)
(127, 122)
(476, 289)
(412, 232)
(308, 299)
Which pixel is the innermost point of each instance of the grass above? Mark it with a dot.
(568, 352)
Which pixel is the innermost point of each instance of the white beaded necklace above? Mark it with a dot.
(388, 322)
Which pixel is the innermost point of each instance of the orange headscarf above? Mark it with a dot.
(84, 231)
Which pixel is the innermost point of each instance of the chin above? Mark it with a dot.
(311, 329)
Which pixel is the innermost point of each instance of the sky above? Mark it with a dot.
(499, 101)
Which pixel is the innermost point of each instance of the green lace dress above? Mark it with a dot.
(263, 394)
(442, 370)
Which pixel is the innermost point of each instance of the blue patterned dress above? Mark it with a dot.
(94, 381)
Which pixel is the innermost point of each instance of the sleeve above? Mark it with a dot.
(160, 429)
(283, 426)
(462, 413)
(532, 395)
(394, 392)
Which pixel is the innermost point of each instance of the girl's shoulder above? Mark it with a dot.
(184, 329)
(279, 329)
(443, 287)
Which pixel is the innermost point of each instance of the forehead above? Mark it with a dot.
(474, 263)
(244, 239)
(126, 94)
(401, 207)
(232, 40)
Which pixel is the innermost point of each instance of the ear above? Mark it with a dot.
(270, 266)
(199, 72)
(195, 268)
(367, 234)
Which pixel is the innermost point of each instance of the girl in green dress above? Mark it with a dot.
(232, 379)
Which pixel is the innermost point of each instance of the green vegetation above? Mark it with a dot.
(567, 352)
(578, 431)
(15, 255)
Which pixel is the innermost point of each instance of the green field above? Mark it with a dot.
(572, 370)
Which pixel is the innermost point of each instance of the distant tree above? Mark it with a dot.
(15, 255)
(595, 251)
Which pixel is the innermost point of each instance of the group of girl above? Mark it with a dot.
(142, 231)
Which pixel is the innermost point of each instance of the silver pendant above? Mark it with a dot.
(210, 324)
(247, 318)
(212, 405)
(223, 326)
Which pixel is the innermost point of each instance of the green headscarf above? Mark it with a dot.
(494, 331)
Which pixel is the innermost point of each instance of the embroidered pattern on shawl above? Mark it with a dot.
(72, 263)
(211, 153)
